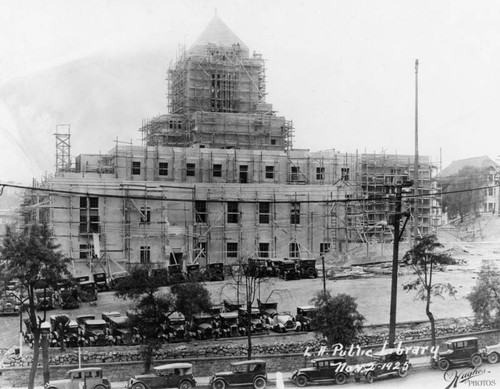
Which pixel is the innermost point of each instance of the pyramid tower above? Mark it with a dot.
(216, 93)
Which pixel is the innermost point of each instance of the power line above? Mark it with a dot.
(191, 200)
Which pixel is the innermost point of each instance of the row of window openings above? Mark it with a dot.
(295, 173)
(232, 250)
(233, 212)
(89, 219)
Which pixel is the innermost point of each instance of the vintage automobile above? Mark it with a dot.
(71, 336)
(229, 306)
(257, 267)
(288, 270)
(458, 351)
(230, 324)
(101, 281)
(87, 377)
(87, 291)
(172, 375)
(176, 327)
(44, 299)
(193, 272)
(258, 326)
(491, 353)
(94, 332)
(252, 372)
(117, 277)
(284, 322)
(215, 271)
(304, 316)
(267, 309)
(387, 362)
(175, 274)
(307, 268)
(326, 369)
(9, 305)
(203, 324)
(119, 330)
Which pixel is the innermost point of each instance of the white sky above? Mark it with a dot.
(343, 71)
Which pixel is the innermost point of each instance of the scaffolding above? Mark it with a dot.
(63, 148)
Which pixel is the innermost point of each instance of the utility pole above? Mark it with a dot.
(395, 264)
(323, 272)
(416, 199)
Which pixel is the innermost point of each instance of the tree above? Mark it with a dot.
(424, 259)
(336, 317)
(191, 298)
(30, 256)
(485, 295)
(463, 199)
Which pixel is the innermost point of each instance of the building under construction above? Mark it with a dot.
(217, 179)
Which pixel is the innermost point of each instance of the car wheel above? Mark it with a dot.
(139, 385)
(301, 380)
(370, 377)
(340, 379)
(476, 360)
(402, 372)
(444, 364)
(259, 383)
(186, 384)
(219, 384)
(493, 358)
(99, 387)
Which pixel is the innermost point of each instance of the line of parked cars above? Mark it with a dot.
(329, 369)
(224, 321)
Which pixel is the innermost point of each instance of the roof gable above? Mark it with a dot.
(479, 162)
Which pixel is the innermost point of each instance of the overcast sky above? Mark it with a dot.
(343, 71)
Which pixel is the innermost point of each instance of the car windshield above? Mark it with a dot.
(239, 368)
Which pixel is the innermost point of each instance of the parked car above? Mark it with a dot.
(307, 268)
(268, 309)
(284, 322)
(95, 332)
(101, 281)
(230, 324)
(172, 375)
(71, 336)
(257, 267)
(203, 326)
(258, 326)
(119, 330)
(175, 274)
(288, 270)
(252, 372)
(9, 305)
(458, 351)
(491, 353)
(88, 291)
(384, 363)
(215, 271)
(194, 273)
(322, 370)
(304, 316)
(176, 326)
(87, 377)
(117, 277)
(44, 299)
